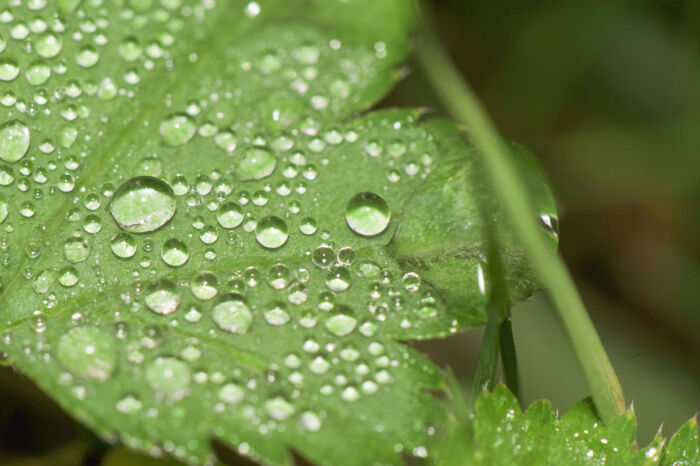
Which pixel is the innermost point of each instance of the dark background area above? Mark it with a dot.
(607, 94)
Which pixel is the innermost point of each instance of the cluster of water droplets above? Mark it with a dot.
(143, 240)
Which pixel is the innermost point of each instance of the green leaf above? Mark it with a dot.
(202, 241)
(499, 432)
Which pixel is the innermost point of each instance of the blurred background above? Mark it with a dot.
(607, 94)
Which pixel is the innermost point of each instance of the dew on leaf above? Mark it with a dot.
(256, 163)
(278, 276)
(229, 215)
(162, 297)
(143, 204)
(43, 281)
(14, 140)
(68, 276)
(367, 214)
(308, 226)
(76, 250)
(123, 245)
(310, 421)
(177, 129)
(231, 393)
(338, 279)
(277, 314)
(204, 286)
(88, 352)
(232, 314)
(341, 325)
(9, 69)
(271, 232)
(175, 253)
(129, 405)
(169, 377)
(279, 409)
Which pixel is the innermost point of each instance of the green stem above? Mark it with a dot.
(461, 102)
(487, 364)
(509, 357)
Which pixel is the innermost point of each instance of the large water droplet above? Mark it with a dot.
(271, 232)
(255, 164)
(367, 214)
(162, 297)
(177, 129)
(88, 352)
(143, 204)
(231, 314)
(169, 377)
(14, 141)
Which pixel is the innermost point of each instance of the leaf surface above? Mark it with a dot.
(499, 432)
(201, 239)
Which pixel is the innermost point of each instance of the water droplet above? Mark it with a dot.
(8, 69)
(143, 204)
(87, 57)
(367, 214)
(130, 49)
(255, 164)
(175, 253)
(278, 276)
(88, 352)
(177, 129)
(338, 279)
(231, 314)
(230, 215)
(277, 314)
(43, 281)
(231, 393)
(129, 405)
(68, 276)
(310, 421)
(271, 232)
(169, 377)
(204, 286)
(341, 324)
(279, 409)
(162, 297)
(76, 250)
(14, 140)
(323, 257)
(308, 226)
(123, 245)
